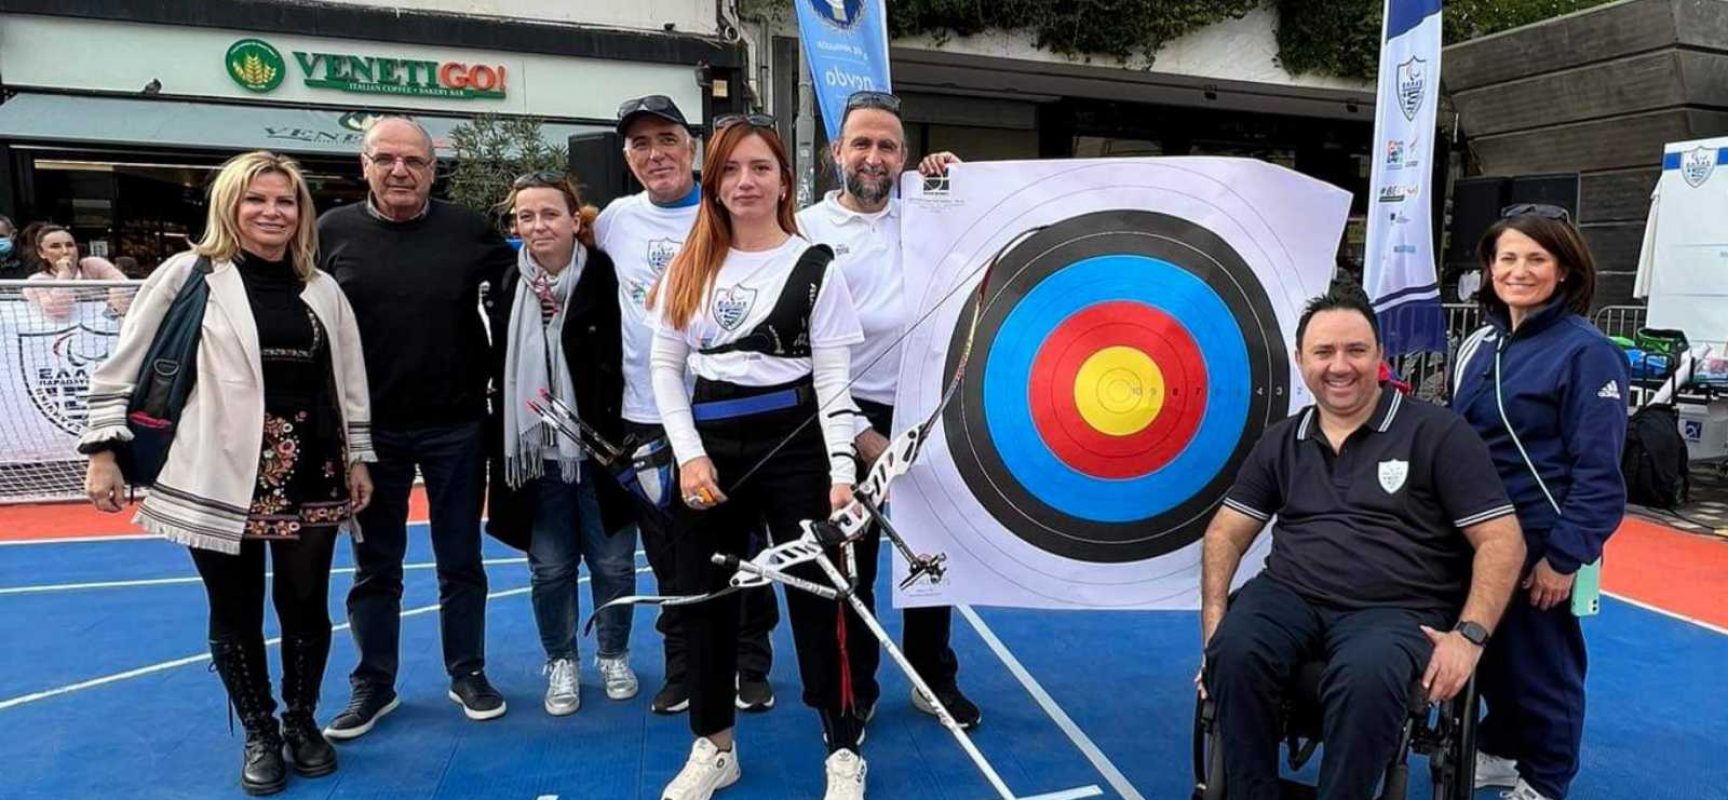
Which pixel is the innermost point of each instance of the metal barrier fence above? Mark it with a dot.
(1426, 372)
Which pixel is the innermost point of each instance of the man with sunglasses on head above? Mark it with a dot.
(412, 268)
(641, 233)
(861, 221)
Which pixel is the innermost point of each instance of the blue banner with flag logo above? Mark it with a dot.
(1399, 270)
(846, 45)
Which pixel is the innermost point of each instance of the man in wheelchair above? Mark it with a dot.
(1394, 552)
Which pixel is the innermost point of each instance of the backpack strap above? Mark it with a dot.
(785, 332)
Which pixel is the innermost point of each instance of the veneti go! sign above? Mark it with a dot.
(259, 67)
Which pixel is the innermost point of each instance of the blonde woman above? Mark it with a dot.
(269, 447)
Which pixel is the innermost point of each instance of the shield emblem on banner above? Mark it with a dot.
(839, 13)
(55, 368)
(1392, 475)
(1412, 86)
(732, 305)
(1697, 165)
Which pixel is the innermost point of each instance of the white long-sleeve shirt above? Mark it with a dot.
(745, 291)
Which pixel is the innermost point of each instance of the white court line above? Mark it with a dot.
(1111, 774)
(68, 587)
(125, 537)
(1670, 614)
(181, 662)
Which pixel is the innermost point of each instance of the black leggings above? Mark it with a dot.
(787, 488)
(235, 585)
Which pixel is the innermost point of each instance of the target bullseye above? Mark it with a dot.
(1119, 390)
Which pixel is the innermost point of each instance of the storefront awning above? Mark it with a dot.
(77, 120)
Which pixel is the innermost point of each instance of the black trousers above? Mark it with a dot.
(788, 487)
(452, 460)
(1372, 655)
(300, 588)
(761, 612)
(924, 633)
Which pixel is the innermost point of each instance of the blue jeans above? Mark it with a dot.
(567, 530)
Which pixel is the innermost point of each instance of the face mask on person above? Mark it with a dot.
(5, 247)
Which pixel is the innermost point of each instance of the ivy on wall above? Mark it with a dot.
(1336, 37)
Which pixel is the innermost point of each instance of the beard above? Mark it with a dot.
(869, 186)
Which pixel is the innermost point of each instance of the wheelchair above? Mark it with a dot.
(1444, 732)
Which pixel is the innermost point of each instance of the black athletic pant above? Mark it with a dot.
(924, 632)
(761, 612)
(788, 487)
(301, 586)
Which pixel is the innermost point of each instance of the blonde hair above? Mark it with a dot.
(221, 241)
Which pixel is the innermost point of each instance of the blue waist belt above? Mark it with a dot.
(746, 406)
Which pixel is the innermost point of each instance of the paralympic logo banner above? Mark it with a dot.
(846, 45)
(1399, 271)
(1131, 344)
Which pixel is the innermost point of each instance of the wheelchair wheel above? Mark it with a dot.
(1208, 753)
(1453, 762)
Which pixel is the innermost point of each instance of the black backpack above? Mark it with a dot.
(1655, 460)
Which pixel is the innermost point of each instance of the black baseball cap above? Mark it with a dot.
(655, 105)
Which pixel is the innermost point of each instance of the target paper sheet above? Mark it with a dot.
(1132, 347)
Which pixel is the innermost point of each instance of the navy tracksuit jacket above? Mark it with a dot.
(1562, 387)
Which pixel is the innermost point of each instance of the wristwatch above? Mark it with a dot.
(1476, 634)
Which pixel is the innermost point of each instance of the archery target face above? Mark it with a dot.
(1124, 365)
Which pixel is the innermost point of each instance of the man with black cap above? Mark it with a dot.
(642, 232)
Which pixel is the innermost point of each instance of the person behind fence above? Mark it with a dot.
(270, 452)
(1547, 391)
(11, 262)
(755, 312)
(52, 255)
(1379, 500)
(642, 233)
(413, 267)
(556, 319)
(861, 221)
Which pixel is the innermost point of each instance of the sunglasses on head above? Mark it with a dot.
(873, 99)
(543, 177)
(753, 120)
(656, 103)
(1542, 210)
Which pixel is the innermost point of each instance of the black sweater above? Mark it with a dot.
(415, 290)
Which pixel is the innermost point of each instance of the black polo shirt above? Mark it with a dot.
(1379, 522)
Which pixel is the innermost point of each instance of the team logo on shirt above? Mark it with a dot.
(1392, 475)
(732, 305)
(660, 254)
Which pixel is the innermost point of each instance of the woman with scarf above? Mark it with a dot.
(556, 332)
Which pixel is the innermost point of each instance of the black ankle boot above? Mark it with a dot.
(246, 674)
(303, 660)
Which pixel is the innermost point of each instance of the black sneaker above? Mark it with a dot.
(673, 698)
(476, 696)
(754, 693)
(364, 709)
(965, 712)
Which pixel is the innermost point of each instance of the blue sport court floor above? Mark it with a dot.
(105, 693)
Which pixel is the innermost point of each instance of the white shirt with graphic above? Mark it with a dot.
(867, 251)
(642, 239)
(745, 291)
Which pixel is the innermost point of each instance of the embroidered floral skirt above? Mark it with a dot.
(302, 481)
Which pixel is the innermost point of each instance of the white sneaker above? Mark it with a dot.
(709, 770)
(621, 683)
(845, 776)
(1523, 791)
(563, 688)
(1495, 771)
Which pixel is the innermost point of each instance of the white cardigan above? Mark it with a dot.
(205, 488)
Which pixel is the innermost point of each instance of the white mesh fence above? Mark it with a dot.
(53, 335)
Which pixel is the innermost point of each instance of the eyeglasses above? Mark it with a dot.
(871, 99)
(413, 163)
(543, 177)
(1542, 210)
(655, 103)
(754, 120)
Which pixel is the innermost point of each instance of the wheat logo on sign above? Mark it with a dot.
(55, 367)
(255, 65)
(1392, 475)
(1697, 165)
(1412, 86)
(732, 305)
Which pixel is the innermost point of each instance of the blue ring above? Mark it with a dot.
(1008, 372)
